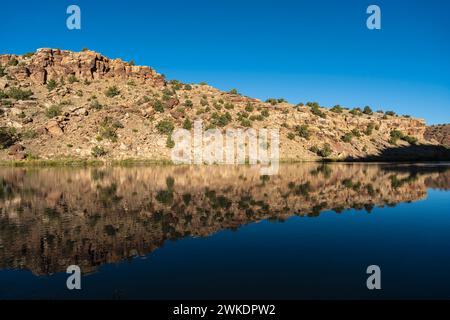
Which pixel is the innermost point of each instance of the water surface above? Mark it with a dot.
(175, 232)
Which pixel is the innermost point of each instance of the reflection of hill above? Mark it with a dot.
(51, 218)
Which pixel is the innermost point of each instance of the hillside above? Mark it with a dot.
(439, 133)
(61, 104)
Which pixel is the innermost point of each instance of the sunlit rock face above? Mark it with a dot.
(51, 218)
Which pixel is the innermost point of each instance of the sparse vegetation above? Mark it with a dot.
(98, 151)
(8, 137)
(303, 131)
(165, 126)
(367, 110)
(72, 79)
(53, 111)
(112, 92)
(337, 109)
(51, 84)
(187, 124)
(19, 94)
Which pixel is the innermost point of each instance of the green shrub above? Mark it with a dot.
(369, 129)
(303, 131)
(347, 137)
(187, 87)
(131, 62)
(98, 151)
(13, 62)
(291, 136)
(51, 85)
(265, 113)
(249, 107)
(337, 109)
(112, 92)
(229, 106)
(325, 151)
(367, 110)
(390, 113)
(8, 137)
(272, 101)
(158, 106)
(169, 142)
(246, 123)
(410, 139)
(19, 94)
(53, 111)
(72, 79)
(188, 104)
(221, 120)
(356, 133)
(165, 126)
(96, 105)
(233, 91)
(187, 124)
(317, 112)
(2, 72)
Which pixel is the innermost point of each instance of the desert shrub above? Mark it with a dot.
(246, 123)
(131, 62)
(314, 149)
(325, 151)
(249, 107)
(169, 142)
(8, 137)
(281, 100)
(369, 129)
(28, 55)
(315, 110)
(233, 91)
(112, 92)
(291, 136)
(300, 104)
(347, 137)
(337, 109)
(272, 101)
(367, 110)
(6, 103)
(72, 79)
(390, 113)
(51, 85)
(303, 131)
(229, 106)
(204, 102)
(2, 72)
(356, 133)
(98, 151)
(265, 113)
(13, 62)
(96, 105)
(53, 111)
(158, 106)
(3, 95)
(410, 139)
(187, 124)
(165, 126)
(187, 87)
(19, 94)
(221, 120)
(188, 104)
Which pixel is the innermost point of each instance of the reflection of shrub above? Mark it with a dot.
(164, 197)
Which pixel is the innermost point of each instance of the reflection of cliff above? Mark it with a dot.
(51, 218)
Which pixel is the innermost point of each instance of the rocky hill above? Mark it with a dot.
(439, 133)
(58, 104)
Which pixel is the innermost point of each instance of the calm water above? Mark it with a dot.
(226, 232)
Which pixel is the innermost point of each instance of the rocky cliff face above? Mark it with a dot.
(62, 104)
(439, 133)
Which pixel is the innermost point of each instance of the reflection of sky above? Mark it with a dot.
(305, 257)
(300, 50)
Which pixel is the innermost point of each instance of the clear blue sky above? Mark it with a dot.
(299, 50)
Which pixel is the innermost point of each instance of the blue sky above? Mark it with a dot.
(299, 50)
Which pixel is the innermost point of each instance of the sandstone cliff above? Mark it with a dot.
(63, 104)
